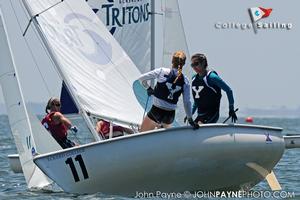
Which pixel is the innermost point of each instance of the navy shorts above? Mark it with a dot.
(208, 117)
(65, 143)
(160, 116)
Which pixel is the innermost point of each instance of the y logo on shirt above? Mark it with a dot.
(197, 91)
(171, 90)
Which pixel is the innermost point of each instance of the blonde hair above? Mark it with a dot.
(178, 61)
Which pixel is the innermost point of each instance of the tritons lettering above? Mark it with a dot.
(120, 15)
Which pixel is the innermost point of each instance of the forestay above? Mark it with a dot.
(97, 71)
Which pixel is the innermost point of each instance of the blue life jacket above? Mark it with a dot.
(206, 95)
(168, 91)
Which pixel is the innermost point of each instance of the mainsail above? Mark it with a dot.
(129, 23)
(80, 42)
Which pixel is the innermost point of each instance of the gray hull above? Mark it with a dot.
(213, 157)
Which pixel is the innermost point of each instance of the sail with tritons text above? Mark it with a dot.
(99, 73)
(129, 22)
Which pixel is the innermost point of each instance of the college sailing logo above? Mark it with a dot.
(256, 14)
(119, 13)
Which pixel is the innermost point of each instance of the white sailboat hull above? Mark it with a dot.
(14, 162)
(172, 160)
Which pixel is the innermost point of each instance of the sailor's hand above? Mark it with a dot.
(74, 129)
(193, 124)
(233, 116)
(150, 91)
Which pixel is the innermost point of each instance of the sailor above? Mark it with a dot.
(57, 124)
(103, 128)
(171, 83)
(206, 90)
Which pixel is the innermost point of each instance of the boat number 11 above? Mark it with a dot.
(71, 164)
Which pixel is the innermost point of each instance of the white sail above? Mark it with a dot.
(81, 43)
(173, 40)
(173, 34)
(129, 23)
(29, 135)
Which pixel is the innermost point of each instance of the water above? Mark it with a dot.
(13, 186)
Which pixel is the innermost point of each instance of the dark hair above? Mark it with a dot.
(50, 103)
(201, 58)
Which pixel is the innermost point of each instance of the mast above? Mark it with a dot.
(152, 42)
(57, 64)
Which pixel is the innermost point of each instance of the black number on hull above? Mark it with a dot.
(79, 159)
(82, 166)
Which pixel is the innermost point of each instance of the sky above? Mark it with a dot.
(263, 68)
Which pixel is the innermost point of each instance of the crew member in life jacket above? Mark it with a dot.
(206, 90)
(57, 124)
(171, 83)
(103, 128)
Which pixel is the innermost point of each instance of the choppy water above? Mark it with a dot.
(13, 186)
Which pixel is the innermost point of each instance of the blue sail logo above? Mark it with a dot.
(101, 46)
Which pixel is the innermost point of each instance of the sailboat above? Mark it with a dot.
(99, 77)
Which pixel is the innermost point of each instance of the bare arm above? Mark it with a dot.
(60, 118)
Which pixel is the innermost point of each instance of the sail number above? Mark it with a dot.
(71, 164)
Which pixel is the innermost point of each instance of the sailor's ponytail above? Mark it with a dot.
(178, 75)
(178, 61)
(48, 105)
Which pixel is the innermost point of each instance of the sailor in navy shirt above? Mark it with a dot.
(206, 90)
(171, 83)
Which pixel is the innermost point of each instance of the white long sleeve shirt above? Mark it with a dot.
(160, 75)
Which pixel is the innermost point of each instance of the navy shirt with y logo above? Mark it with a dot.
(206, 95)
(166, 94)
(168, 90)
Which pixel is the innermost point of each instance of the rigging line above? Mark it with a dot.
(164, 32)
(47, 54)
(117, 69)
(7, 74)
(42, 43)
(30, 50)
(36, 15)
(44, 47)
(190, 71)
